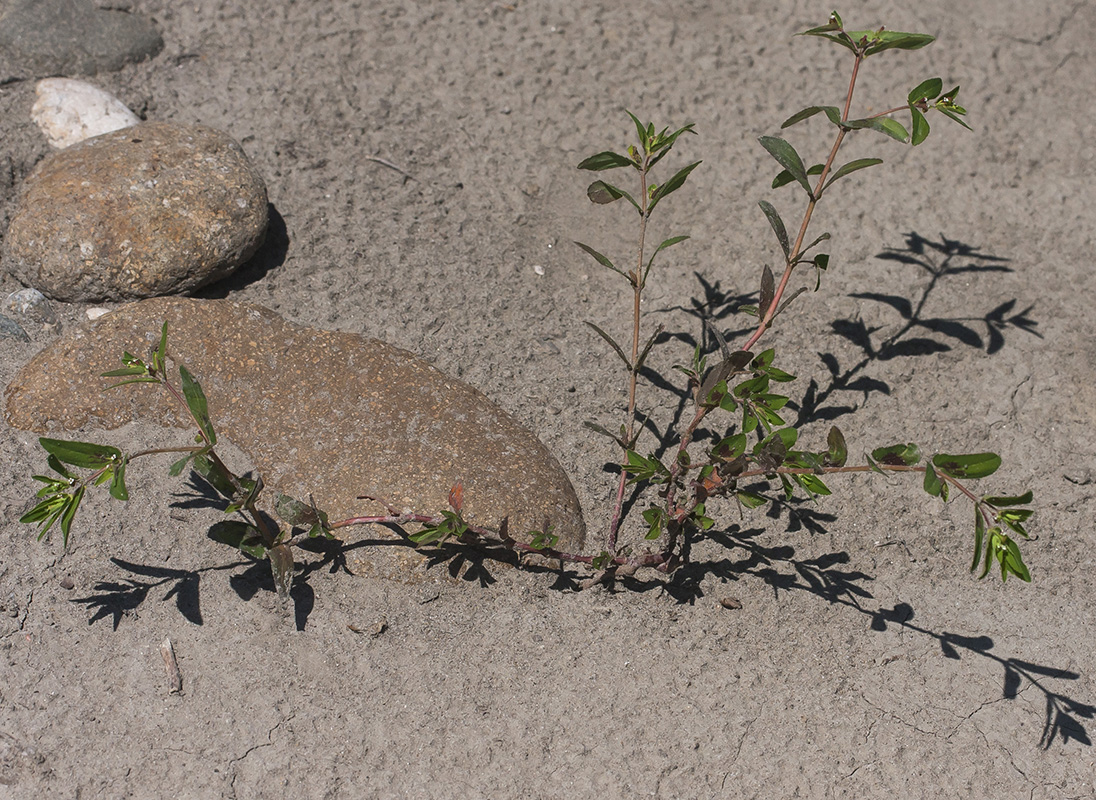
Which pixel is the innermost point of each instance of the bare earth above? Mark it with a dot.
(864, 662)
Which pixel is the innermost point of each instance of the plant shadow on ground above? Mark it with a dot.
(918, 334)
(824, 576)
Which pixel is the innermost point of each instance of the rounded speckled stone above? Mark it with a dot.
(154, 209)
(332, 414)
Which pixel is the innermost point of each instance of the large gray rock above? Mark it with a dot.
(66, 37)
(330, 414)
(154, 209)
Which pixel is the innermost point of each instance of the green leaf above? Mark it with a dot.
(768, 291)
(647, 348)
(118, 482)
(1004, 502)
(852, 166)
(972, 465)
(214, 475)
(751, 500)
(667, 243)
(196, 402)
(926, 90)
(604, 193)
(50, 505)
(837, 452)
(654, 517)
(891, 40)
(835, 24)
(734, 363)
(953, 114)
(788, 436)
(933, 485)
(730, 448)
(644, 468)
(239, 534)
(81, 454)
(641, 130)
(299, 514)
(1012, 561)
(777, 224)
(606, 160)
(601, 561)
(919, 128)
(619, 350)
(812, 483)
(177, 467)
(786, 156)
(601, 259)
(56, 465)
(886, 125)
(783, 178)
(672, 185)
(541, 540)
(994, 538)
(897, 455)
(830, 111)
(281, 567)
(70, 513)
(126, 372)
(604, 432)
(160, 354)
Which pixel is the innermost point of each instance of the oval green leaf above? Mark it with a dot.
(971, 465)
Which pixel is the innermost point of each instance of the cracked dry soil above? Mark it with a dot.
(863, 662)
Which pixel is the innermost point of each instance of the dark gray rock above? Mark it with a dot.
(10, 329)
(334, 415)
(154, 209)
(68, 37)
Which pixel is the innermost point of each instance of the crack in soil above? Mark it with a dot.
(268, 743)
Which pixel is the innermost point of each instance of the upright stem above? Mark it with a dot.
(637, 279)
(677, 467)
(816, 195)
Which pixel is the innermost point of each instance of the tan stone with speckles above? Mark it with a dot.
(154, 209)
(331, 414)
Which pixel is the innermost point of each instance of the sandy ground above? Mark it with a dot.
(864, 661)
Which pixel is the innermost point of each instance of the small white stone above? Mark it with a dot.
(95, 313)
(69, 111)
(537, 268)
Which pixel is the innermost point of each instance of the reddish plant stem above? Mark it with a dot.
(816, 195)
(663, 560)
(637, 279)
(678, 467)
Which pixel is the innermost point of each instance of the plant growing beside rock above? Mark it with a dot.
(759, 453)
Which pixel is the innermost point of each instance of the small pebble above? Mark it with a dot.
(31, 303)
(68, 111)
(537, 268)
(67, 582)
(10, 329)
(95, 313)
(733, 603)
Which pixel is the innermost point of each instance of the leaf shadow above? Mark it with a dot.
(1063, 714)
(118, 598)
(919, 334)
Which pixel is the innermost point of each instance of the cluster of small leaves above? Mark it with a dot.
(61, 496)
